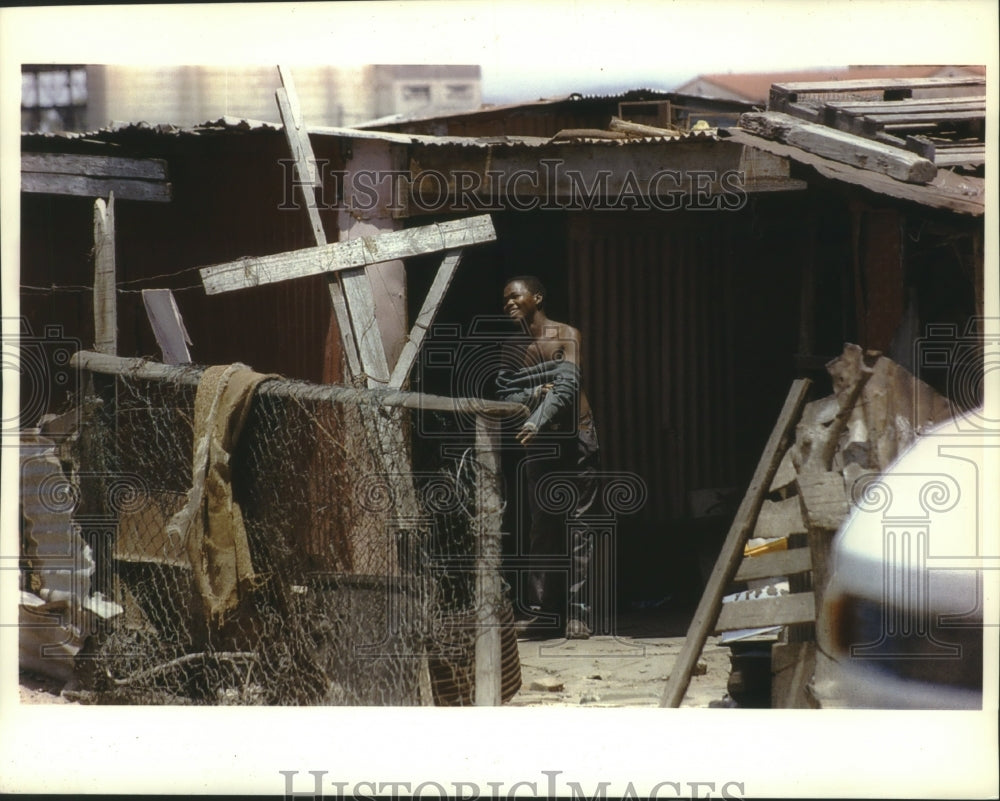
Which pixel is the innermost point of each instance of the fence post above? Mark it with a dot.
(488, 588)
(105, 299)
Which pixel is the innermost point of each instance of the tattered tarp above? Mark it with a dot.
(211, 523)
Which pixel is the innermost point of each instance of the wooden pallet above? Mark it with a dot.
(947, 152)
(887, 112)
(784, 94)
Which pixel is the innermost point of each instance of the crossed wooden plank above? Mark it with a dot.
(343, 263)
(350, 258)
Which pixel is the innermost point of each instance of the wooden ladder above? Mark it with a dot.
(788, 609)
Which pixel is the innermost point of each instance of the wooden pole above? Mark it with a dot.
(732, 549)
(425, 319)
(168, 325)
(308, 179)
(489, 665)
(190, 376)
(105, 293)
(638, 129)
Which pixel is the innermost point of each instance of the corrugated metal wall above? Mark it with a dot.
(227, 193)
(654, 300)
(546, 118)
(531, 123)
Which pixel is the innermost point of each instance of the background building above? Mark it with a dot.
(80, 97)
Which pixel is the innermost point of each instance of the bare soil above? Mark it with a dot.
(627, 668)
(37, 689)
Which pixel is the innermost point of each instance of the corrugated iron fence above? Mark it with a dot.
(656, 307)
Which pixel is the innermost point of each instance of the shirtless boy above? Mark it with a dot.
(543, 372)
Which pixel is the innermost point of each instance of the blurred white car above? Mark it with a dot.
(915, 569)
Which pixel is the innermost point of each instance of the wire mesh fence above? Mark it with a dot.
(330, 590)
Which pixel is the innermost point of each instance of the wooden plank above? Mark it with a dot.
(921, 145)
(893, 134)
(343, 317)
(778, 563)
(779, 519)
(839, 146)
(167, 324)
(782, 93)
(973, 112)
(338, 256)
(425, 319)
(295, 130)
(781, 610)
(489, 512)
(306, 175)
(810, 112)
(889, 139)
(46, 183)
(307, 178)
(95, 166)
(105, 288)
(959, 149)
(959, 145)
(945, 159)
(870, 123)
(732, 548)
(785, 475)
(367, 335)
(638, 129)
(912, 104)
(820, 541)
(824, 504)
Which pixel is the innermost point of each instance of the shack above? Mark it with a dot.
(708, 265)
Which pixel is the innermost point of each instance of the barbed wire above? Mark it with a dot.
(78, 288)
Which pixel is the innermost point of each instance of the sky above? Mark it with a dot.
(527, 48)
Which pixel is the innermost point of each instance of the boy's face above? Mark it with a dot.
(518, 302)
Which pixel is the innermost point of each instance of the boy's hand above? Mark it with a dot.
(527, 433)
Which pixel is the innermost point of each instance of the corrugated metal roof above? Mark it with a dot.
(710, 134)
(521, 105)
(119, 130)
(511, 141)
(542, 104)
(232, 125)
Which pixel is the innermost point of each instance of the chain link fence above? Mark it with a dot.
(348, 594)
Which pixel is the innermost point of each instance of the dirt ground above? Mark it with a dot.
(628, 668)
(41, 690)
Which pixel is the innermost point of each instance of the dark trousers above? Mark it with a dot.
(563, 496)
